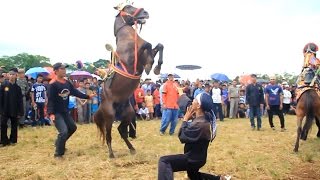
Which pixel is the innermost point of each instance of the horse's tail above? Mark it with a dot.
(310, 114)
(101, 124)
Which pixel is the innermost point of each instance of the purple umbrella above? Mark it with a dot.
(77, 75)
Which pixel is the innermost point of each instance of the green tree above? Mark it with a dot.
(24, 60)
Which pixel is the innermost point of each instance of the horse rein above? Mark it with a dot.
(124, 72)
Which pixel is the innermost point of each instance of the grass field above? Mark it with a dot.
(237, 150)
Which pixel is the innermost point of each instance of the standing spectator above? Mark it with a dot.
(225, 100)
(255, 100)
(286, 99)
(170, 97)
(58, 101)
(139, 96)
(274, 102)
(156, 99)
(217, 100)
(82, 104)
(147, 85)
(148, 99)
(11, 107)
(38, 100)
(89, 103)
(23, 84)
(234, 99)
(199, 90)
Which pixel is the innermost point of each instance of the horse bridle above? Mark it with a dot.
(136, 12)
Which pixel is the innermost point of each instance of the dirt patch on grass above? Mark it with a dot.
(306, 171)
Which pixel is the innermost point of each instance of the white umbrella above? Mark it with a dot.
(96, 76)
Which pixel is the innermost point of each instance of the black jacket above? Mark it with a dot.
(11, 101)
(254, 95)
(196, 136)
(58, 96)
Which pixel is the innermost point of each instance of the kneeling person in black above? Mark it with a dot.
(196, 135)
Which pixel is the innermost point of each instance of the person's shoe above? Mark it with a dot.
(226, 177)
(161, 133)
(58, 157)
(283, 129)
(259, 129)
(253, 128)
(273, 128)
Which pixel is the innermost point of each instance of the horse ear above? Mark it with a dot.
(116, 8)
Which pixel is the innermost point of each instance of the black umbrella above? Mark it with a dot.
(188, 67)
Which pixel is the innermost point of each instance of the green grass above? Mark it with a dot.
(237, 150)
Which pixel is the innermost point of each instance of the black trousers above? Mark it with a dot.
(14, 130)
(133, 128)
(174, 163)
(286, 108)
(217, 108)
(275, 109)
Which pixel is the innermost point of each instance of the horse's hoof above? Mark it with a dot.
(111, 156)
(132, 151)
(156, 70)
(295, 150)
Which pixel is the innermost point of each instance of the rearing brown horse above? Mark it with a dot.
(133, 55)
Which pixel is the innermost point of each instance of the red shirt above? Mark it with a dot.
(170, 95)
(139, 95)
(156, 96)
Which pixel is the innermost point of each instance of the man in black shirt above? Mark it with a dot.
(58, 101)
(11, 107)
(255, 99)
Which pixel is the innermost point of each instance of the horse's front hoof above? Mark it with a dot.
(295, 150)
(111, 156)
(156, 70)
(133, 151)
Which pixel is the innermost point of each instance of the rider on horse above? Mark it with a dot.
(310, 69)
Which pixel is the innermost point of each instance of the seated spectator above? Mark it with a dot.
(242, 111)
(144, 112)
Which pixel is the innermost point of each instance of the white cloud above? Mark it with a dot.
(232, 37)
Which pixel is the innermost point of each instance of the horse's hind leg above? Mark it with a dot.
(299, 129)
(158, 48)
(123, 127)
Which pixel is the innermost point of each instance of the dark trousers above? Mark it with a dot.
(217, 107)
(14, 130)
(157, 110)
(286, 108)
(66, 127)
(275, 109)
(173, 163)
(132, 128)
(38, 115)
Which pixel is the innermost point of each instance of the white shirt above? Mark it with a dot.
(286, 97)
(143, 111)
(216, 95)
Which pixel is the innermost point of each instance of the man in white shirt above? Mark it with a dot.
(286, 99)
(217, 100)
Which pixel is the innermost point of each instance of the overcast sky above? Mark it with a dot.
(231, 37)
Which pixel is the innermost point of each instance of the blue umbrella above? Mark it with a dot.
(165, 75)
(33, 72)
(219, 77)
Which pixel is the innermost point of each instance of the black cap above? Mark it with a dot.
(253, 75)
(58, 65)
(14, 70)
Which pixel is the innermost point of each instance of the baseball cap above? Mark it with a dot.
(58, 65)
(14, 70)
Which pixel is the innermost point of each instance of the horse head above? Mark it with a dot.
(309, 52)
(131, 14)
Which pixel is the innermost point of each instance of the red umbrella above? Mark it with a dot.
(245, 79)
